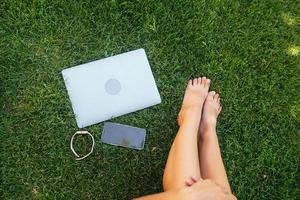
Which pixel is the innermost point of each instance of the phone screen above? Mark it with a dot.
(123, 135)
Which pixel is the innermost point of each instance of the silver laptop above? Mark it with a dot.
(111, 87)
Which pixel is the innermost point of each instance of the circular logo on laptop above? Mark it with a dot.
(112, 86)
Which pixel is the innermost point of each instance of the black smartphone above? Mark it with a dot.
(123, 135)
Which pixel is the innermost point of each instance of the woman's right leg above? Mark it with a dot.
(211, 162)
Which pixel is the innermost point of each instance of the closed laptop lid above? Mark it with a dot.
(111, 87)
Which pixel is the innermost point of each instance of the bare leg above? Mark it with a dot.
(211, 163)
(183, 160)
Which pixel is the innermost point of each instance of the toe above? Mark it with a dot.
(207, 84)
(190, 83)
(216, 96)
(195, 81)
(220, 109)
(199, 80)
(203, 80)
(211, 95)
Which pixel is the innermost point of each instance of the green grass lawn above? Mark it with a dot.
(250, 50)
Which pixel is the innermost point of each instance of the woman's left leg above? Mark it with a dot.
(183, 159)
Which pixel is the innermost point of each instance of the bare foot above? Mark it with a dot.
(211, 110)
(194, 97)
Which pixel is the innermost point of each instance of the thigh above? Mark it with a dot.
(182, 163)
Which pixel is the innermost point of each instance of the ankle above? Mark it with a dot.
(192, 108)
(208, 133)
(208, 125)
